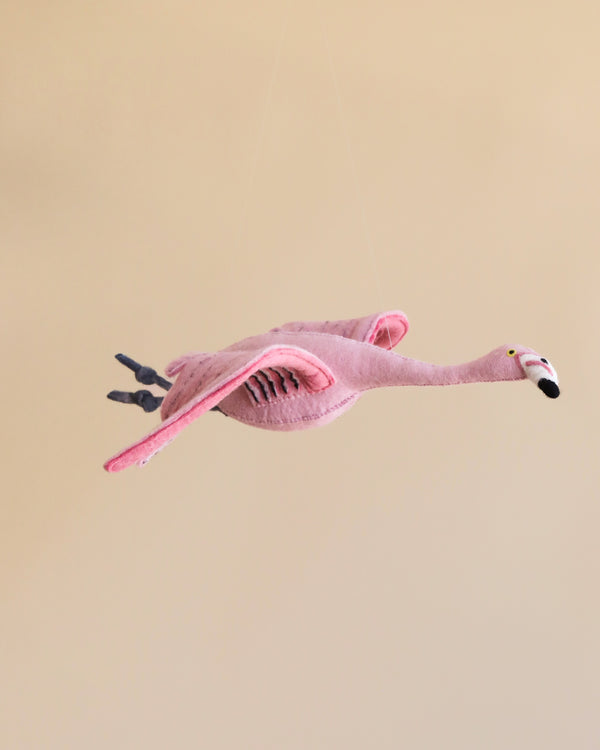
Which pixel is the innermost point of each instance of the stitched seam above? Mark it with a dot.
(442, 385)
(319, 333)
(329, 336)
(175, 404)
(280, 399)
(310, 418)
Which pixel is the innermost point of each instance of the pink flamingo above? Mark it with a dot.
(303, 375)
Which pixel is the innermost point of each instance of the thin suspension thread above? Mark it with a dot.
(261, 131)
(343, 124)
(358, 193)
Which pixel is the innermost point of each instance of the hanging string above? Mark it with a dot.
(360, 201)
(343, 126)
(262, 127)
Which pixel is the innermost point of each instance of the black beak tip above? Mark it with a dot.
(549, 387)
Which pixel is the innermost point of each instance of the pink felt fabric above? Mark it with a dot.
(227, 374)
(382, 329)
(306, 374)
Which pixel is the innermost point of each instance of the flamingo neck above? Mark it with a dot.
(394, 369)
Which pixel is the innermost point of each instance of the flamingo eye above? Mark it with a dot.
(511, 352)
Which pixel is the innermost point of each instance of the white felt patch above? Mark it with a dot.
(535, 369)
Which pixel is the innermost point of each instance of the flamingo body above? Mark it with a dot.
(307, 374)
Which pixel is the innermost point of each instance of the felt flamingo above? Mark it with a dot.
(303, 375)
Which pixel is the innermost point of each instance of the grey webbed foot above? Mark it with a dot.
(148, 401)
(146, 375)
(143, 374)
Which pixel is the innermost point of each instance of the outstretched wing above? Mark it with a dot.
(381, 329)
(234, 371)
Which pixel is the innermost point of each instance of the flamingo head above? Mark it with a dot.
(534, 367)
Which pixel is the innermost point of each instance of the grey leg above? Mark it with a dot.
(145, 375)
(145, 399)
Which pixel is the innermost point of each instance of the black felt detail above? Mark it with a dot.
(251, 390)
(270, 382)
(281, 378)
(262, 387)
(549, 387)
(293, 378)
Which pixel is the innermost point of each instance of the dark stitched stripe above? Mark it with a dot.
(293, 378)
(283, 385)
(271, 383)
(262, 388)
(251, 391)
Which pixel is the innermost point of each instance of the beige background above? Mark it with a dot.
(422, 573)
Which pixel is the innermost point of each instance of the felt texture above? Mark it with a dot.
(306, 374)
(382, 329)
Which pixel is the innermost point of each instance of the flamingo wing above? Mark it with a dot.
(230, 371)
(381, 329)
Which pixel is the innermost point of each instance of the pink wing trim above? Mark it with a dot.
(317, 377)
(388, 329)
(380, 329)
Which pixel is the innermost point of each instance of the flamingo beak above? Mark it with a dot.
(541, 372)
